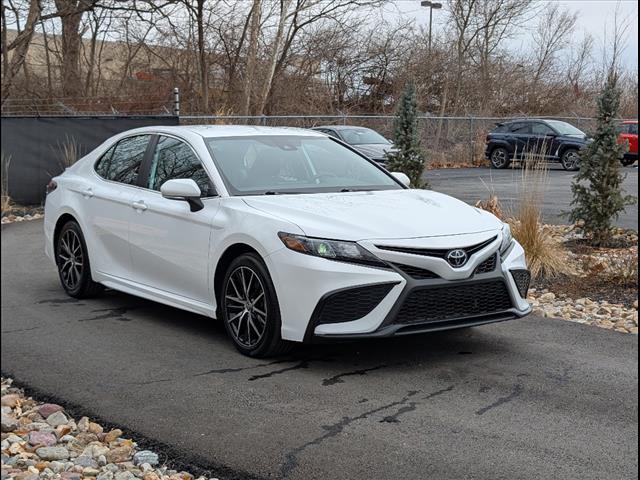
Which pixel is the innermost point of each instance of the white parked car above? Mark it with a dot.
(286, 235)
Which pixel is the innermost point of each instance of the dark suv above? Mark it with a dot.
(553, 140)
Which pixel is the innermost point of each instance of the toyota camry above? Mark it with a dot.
(285, 235)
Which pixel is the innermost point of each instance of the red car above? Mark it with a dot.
(628, 132)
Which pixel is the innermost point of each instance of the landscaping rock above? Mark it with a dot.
(56, 419)
(145, 456)
(53, 453)
(8, 423)
(42, 438)
(49, 408)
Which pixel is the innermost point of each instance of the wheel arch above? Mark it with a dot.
(231, 252)
(568, 146)
(500, 144)
(61, 222)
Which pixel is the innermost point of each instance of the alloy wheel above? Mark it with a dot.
(571, 160)
(499, 158)
(246, 307)
(70, 259)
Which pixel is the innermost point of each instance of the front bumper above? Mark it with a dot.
(334, 300)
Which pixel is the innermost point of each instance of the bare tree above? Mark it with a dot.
(20, 47)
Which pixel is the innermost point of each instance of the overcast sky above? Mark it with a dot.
(594, 16)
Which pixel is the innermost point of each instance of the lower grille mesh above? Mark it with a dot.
(522, 279)
(352, 304)
(449, 302)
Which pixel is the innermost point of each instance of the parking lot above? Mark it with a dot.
(523, 399)
(473, 184)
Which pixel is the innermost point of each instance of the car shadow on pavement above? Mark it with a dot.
(438, 347)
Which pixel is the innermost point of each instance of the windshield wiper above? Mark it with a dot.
(344, 190)
(276, 192)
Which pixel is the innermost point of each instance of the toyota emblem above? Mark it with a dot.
(457, 258)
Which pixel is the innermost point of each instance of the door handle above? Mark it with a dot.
(87, 193)
(139, 205)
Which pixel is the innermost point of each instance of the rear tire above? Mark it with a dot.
(250, 310)
(72, 259)
(500, 158)
(570, 160)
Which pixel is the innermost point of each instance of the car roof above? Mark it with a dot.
(213, 131)
(341, 127)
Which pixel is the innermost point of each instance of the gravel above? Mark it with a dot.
(66, 449)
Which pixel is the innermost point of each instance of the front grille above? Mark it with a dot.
(437, 252)
(416, 272)
(522, 279)
(489, 265)
(351, 304)
(427, 304)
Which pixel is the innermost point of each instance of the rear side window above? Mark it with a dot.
(122, 162)
(174, 159)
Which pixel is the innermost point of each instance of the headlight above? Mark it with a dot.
(507, 239)
(339, 250)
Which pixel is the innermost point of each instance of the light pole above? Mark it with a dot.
(432, 6)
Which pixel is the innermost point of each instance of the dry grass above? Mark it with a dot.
(5, 200)
(493, 205)
(69, 152)
(546, 255)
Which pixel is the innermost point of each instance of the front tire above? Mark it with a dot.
(250, 310)
(570, 160)
(500, 158)
(72, 259)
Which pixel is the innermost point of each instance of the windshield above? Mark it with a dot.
(362, 136)
(269, 165)
(564, 128)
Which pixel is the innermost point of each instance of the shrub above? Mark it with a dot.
(409, 158)
(597, 189)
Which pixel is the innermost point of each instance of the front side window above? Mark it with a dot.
(520, 128)
(564, 128)
(633, 128)
(174, 159)
(259, 165)
(121, 163)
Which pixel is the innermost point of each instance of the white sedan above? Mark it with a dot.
(286, 235)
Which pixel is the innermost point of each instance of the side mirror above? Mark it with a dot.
(402, 178)
(183, 189)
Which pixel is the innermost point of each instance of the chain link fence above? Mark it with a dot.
(447, 140)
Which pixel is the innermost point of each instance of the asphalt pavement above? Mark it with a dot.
(473, 184)
(528, 399)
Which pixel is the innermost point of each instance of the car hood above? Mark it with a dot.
(575, 139)
(389, 214)
(375, 150)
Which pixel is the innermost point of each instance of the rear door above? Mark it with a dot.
(519, 137)
(107, 204)
(169, 242)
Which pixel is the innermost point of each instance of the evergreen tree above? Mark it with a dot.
(597, 188)
(409, 157)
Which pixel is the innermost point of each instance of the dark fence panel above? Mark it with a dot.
(35, 146)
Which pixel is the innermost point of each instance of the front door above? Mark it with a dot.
(169, 242)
